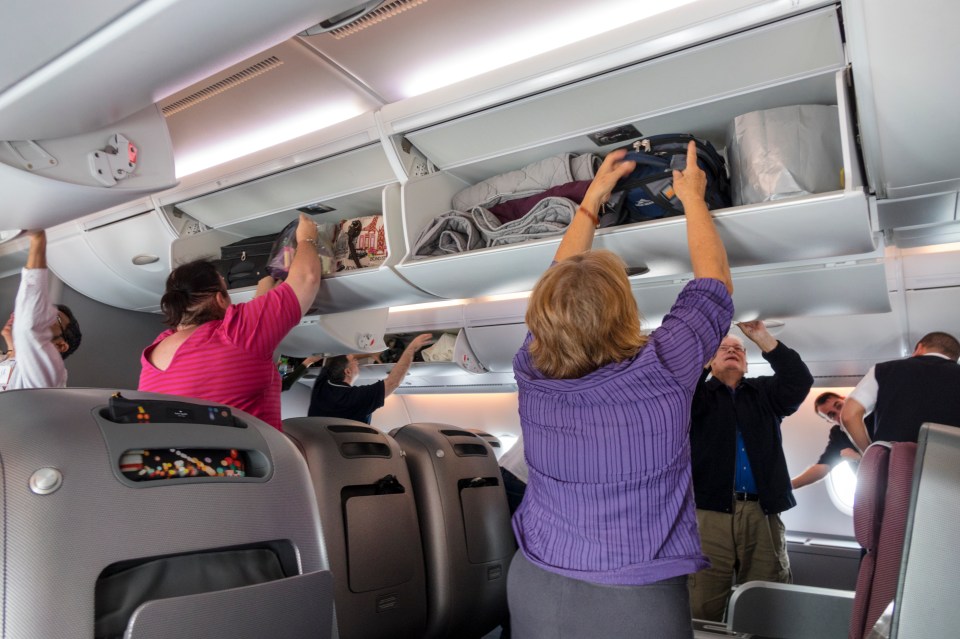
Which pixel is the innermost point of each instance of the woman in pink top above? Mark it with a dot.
(222, 352)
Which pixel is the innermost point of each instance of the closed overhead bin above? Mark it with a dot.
(121, 258)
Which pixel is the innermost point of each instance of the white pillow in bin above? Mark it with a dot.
(361, 243)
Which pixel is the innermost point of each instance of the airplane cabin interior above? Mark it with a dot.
(142, 134)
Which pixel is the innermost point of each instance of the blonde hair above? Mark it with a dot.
(582, 316)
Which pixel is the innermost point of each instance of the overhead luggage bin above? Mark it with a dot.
(802, 62)
(102, 518)
(908, 120)
(799, 290)
(109, 61)
(337, 333)
(120, 258)
(50, 180)
(343, 184)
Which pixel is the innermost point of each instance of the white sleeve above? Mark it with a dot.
(866, 392)
(39, 363)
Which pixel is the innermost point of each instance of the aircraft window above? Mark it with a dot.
(507, 440)
(841, 486)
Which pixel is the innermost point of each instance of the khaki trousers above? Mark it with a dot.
(744, 546)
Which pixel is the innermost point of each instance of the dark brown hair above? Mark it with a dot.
(943, 343)
(191, 289)
(71, 332)
(822, 399)
(335, 368)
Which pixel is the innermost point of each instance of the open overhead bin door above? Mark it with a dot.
(342, 184)
(699, 90)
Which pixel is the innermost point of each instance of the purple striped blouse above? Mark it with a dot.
(610, 498)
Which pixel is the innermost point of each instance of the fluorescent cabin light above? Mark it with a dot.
(425, 306)
(263, 138)
(546, 36)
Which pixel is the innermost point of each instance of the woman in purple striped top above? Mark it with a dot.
(607, 528)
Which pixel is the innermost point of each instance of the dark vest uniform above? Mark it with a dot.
(913, 391)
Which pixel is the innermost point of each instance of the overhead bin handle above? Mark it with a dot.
(343, 18)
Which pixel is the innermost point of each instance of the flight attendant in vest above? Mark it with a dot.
(903, 394)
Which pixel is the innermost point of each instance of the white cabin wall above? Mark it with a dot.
(495, 413)
(296, 401)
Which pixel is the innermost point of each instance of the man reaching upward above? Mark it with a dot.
(39, 335)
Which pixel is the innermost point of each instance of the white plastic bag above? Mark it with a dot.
(441, 351)
(784, 152)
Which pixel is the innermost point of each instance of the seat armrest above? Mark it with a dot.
(788, 611)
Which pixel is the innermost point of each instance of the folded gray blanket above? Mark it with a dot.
(455, 231)
(549, 216)
(531, 179)
(452, 232)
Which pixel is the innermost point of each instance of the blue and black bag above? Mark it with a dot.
(647, 193)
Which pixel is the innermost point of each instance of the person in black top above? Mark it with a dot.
(287, 380)
(828, 405)
(334, 394)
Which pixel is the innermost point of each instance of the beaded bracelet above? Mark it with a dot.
(593, 218)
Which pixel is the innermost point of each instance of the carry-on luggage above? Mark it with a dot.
(647, 193)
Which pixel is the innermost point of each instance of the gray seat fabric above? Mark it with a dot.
(366, 503)
(72, 517)
(465, 523)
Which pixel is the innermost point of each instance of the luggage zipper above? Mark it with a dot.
(646, 146)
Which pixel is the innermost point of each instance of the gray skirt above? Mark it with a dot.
(545, 605)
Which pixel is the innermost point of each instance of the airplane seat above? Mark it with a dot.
(926, 593)
(467, 539)
(366, 504)
(187, 520)
(493, 440)
(881, 504)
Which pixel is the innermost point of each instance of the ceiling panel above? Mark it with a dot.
(286, 91)
(439, 42)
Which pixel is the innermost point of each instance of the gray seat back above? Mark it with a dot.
(73, 523)
(366, 503)
(926, 594)
(465, 522)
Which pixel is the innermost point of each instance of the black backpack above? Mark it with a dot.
(647, 193)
